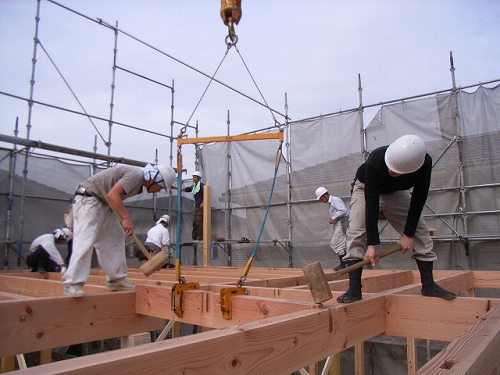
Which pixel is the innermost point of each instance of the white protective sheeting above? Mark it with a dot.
(463, 204)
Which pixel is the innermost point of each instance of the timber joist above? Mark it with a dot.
(274, 327)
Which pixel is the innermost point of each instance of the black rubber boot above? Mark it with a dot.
(352, 294)
(429, 287)
(341, 265)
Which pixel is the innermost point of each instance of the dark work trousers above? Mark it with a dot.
(40, 258)
(198, 224)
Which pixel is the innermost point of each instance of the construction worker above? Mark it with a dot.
(382, 184)
(43, 252)
(157, 237)
(197, 190)
(96, 226)
(338, 214)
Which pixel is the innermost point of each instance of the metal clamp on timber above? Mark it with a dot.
(226, 293)
(178, 295)
(177, 298)
(225, 300)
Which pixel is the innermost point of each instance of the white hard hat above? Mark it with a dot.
(406, 154)
(58, 233)
(320, 192)
(68, 233)
(164, 218)
(197, 173)
(167, 174)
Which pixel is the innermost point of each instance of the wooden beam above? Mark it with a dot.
(33, 287)
(432, 318)
(253, 348)
(203, 308)
(231, 138)
(474, 352)
(46, 323)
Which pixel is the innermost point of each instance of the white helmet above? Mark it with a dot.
(68, 233)
(167, 174)
(59, 234)
(197, 173)
(164, 218)
(320, 192)
(406, 154)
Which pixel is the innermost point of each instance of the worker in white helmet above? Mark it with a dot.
(96, 226)
(157, 239)
(382, 184)
(338, 214)
(43, 252)
(197, 190)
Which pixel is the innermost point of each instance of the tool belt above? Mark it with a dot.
(80, 190)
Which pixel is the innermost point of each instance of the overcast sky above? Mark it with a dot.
(312, 51)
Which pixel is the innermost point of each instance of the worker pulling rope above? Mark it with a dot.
(243, 277)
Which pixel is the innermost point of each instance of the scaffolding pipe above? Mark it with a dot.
(288, 166)
(456, 119)
(112, 100)
(28, 131)
(71, 151)
(10, 200)
(229, 186)
(362, 131)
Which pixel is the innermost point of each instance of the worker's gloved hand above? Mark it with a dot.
(63, 269)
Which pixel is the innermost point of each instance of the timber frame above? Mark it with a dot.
(275, 329)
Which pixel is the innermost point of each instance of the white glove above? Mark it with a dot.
(63, 269)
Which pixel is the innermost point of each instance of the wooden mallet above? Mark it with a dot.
(153, 263)
(318, 281)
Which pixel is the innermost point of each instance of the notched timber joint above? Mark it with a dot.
(178, 296)
(225, 300)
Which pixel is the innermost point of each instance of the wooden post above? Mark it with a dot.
(8, 364)
(335, 366)
(45, 356)
(135, 339)
(359, 358)
(411, 355)
(207, 223)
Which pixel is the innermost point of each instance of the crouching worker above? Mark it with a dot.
(43, 252)
(383, 184)
(96, 226)
(157, 238)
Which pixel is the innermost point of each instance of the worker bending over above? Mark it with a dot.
(43, 252)
(157, 238)
(382, 184)
(96, 226)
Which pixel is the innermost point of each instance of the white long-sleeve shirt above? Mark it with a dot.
(48, 242)
(159, 236)
(337, 208)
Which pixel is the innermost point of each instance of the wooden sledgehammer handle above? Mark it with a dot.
(363, 263)
(113, 208)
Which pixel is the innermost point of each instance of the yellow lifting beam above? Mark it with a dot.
(229, 138)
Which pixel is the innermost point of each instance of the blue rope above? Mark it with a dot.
(278, 157)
